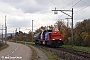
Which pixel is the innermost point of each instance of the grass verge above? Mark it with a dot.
(22, 42)
(34, 54)
(4, 46)
(80, 48)
(50, 55)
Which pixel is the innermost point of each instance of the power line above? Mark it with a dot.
(72, 4)
(69, 4)
(77, 3)
(60, 2)
(82, 9)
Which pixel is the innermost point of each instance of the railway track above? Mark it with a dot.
(76, 52)
(68, 54)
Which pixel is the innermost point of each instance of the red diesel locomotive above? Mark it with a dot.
(49, 37)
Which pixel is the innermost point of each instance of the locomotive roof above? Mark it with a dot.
(46, 31)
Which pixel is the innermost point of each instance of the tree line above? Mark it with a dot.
(21, 36)
(81, 33)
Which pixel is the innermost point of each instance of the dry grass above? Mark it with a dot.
(34, 54)
(3, 46)
(50, 55)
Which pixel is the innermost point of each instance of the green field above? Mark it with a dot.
(23, 42)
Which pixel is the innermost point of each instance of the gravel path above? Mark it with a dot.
(41, 55)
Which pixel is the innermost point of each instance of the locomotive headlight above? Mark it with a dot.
(53, 39)
(60, 39)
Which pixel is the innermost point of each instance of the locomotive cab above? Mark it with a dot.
(55, 39)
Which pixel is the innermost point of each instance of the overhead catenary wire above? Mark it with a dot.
(82, 9)
(77, 3)
(60, 2)
(69, 4)
(72, 4)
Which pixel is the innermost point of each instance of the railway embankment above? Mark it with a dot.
(67, 54)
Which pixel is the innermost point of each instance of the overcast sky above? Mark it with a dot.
(20, 13)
